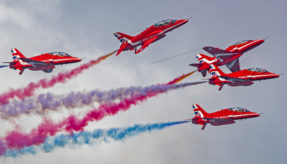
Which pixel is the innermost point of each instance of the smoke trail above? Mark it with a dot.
(17, 139)
(177, 80)
(89, 138)
(50, 101)
(46, 83)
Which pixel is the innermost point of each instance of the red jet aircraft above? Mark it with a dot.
(45, 62)
(148, 36)
(240, 78)
(229, 56)
(222, 117)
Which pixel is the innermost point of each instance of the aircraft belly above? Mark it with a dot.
(221, 122)
(132, 47)
(242, 83)
(41, 68)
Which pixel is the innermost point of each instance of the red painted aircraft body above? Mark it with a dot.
(229, 56)
(240, 78)
(239, 47)
(148, 36)
(45, 62)
(221, 117)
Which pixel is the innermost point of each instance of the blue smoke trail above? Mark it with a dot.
(88, 138)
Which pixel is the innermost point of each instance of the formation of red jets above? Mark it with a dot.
(229, 57)
(238, 77)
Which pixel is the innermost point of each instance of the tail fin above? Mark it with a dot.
(198, 111)
(200, 67)
(214, 51)
(123, 37)
(204, 58)
(215, 71)
(204, 62)
(16, 54)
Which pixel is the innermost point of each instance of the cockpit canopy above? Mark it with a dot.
(164, 22)
(241, 42)
(257, 70)
(59, 54)
(238, 109)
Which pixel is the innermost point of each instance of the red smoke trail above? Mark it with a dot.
(180, 78)
(17, 139)
(46, 83)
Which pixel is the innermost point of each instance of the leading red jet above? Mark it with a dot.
(45, 62)
(229, 56)
(243, 77)
(221, 117)
(148, 36)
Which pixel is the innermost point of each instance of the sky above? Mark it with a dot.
(85, 29)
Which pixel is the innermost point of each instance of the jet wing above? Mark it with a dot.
(233, 79)
(35, 63)
(147, 43)
(219, 120)
(213, 51)
(219, 53)
(233, 66)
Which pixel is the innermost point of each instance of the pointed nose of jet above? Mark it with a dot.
(273, 75)
(253, 114)
(75, 59)
(258, 42)
(182, 21)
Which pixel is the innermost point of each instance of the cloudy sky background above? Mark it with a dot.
(85, 29)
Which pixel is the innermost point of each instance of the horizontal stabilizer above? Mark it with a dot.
(195, 64)
(147, 43)
(122, 48)
(123, 37)
(214, 51)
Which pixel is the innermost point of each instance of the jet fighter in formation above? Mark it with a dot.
(45, 62)
(229, 56)
(243, 77)
(221, 117)
(148, 36)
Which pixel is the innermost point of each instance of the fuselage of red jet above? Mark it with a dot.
(148, 36)
(243, 77)
(45, 62)
(239, 47)
(221, 117)
(229, 56)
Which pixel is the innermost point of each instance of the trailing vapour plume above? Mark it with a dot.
(90, 138)
(49, 101)
(17, 139)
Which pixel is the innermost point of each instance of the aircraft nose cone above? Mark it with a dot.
(255, 114)
(181, 21)
(274, 75)
(184, 21)
(259, 41)
(75, 59)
